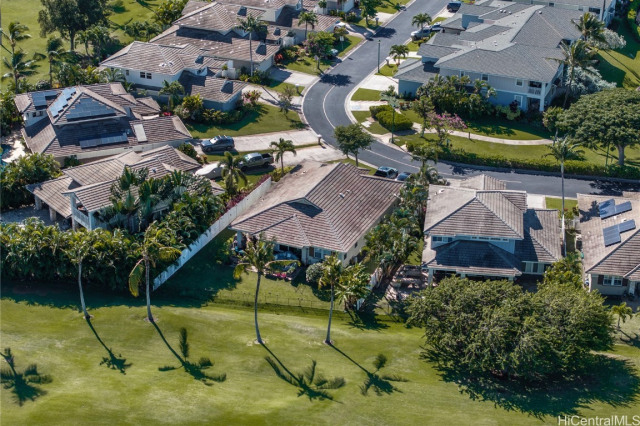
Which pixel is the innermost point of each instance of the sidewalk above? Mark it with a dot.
(292, 77)
(378, 82)
(263, 141)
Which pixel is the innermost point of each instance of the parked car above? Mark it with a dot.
(403, 176)
(454, 6)
(218, 143)
(340, 25)
(333, 53)
(386, 172)
(435, 28)
(211, 171)
(255, 159)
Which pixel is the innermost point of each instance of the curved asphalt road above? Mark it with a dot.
(324, 108)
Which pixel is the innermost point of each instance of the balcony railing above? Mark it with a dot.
(535, 90)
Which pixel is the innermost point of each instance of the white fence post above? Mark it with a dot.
(207, 236)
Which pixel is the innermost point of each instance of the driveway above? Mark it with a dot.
(263, 141)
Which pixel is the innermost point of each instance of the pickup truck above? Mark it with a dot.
(255, 159)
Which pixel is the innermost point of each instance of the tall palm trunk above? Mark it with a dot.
(566, 94)
(356, 155)
(251, 52)
(564, 242)
(146, 272)
(255, 309)
(84, 307)
(306, 24)
(328, 339)
(50, 72)
(282, 163)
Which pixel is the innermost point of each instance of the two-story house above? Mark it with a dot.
(95, 121)
(478, 228)
(604, 9)
(514, 47)
(611, 242)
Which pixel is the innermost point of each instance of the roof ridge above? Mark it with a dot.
(633, 270)
(451, 213)
(606, 256)
(496, 214)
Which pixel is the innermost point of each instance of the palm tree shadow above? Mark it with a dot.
(22, 384)
(366, 320)
(112, 361)
(380, 384)
(195, 370)
(309, 383)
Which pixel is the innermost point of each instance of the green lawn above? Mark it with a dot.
(388, 5)
(388, 70)
(350, 42)
(153, 389)
(307, 65)
(366, 95)
(374, 127)
(361, 116)
(556, 203)
(265, 119)
(26, 12)
(622, 66)
(279, 86)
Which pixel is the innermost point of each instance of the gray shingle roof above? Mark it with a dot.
(51, 193)
(472, 257)
(548, 28)
(210, 87)
(621, 259)
(326, 206)
(432, 51)
(416, 70)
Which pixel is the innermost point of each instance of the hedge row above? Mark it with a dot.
(384, 115)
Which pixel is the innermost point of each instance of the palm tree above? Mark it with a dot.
(258, 255)
(14, 33)
(280, 147)
(577, 55)
(562, 150)
(159, 244)
(420, 20)
(112, 75)
(19, 66)
(353, 285)
(590, 27)
(80, 247)
(331, 275)
(84, 37)
(322, 4)
(307, 18)
(231, 173)
(251, 25)
(399, 51)
(424, 153)
(55, 53)
(622, 311)
(174, 90)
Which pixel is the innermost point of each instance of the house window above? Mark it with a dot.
(142, 74)
(518, 99)
(612, 280)
(461, 73)
(485, 77)
(312, 252)
(551, 4)
(149, 75)
(436, 239)
(519, 82)
(126, 72)
(540, 268)
(35, 113)
(595, 10)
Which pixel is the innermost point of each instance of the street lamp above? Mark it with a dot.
(342, 43)
(378, 56)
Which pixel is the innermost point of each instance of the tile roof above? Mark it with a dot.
(315, 206)
(480, 182)
(210, 87)
(432, 51)
(542, 234)
(51, 193)
(82, 100)
(150, 57)
(621, 259)
(472, 257)
(216, 17)
(193, 5)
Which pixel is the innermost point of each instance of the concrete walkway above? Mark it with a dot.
(262, 142)
(378, 82)
(317, 153)
(536, 201)
(292, 77)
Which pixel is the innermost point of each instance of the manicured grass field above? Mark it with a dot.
(622, 66)
(279, 86)
(265, 119)
(350, 42)
(388, 6)
(308, 65)
(374, 127)
(148, 385)
(388, 70)
(366, 95)
(556, 203)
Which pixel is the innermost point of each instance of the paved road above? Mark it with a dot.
(324, 108)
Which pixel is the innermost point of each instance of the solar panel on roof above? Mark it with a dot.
(607, 208)
(62, 101)
(611, 235)
(627, 225)
(89, 108)
(106, 139)
(623, 207)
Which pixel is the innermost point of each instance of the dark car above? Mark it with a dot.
(386, 172)
(403, 176)
(219, 143)
(454, 6)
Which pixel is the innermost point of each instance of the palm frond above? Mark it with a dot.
(135, 277)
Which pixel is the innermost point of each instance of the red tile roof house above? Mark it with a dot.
(95, 121)
(320, 209)
(610, 233)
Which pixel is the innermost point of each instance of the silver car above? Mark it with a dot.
(211, 171)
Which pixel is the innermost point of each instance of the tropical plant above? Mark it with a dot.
(158, 245)
(174, 90)
(423, 153)
(398, 51)
(622, 311)
(19, 66)
(590, 27)
(169, 11)
(112, 75)
(577, 55)
(563, 149)
(68, 17)
(250, 25)
(258, 255)
(232, 173)
(420, 20)
(55, 54)
(444, 124)
(28, 169)
(423, 107)
(307, 18)
(368, 9)
(280, 148)
(353, 286)
(142, 30)
(80, 246)
(322, 4)
(331, 276)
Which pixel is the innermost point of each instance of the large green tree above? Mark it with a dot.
(71, 16)
(606, 119)
(26, 170)
(169, 11)
(352, 139)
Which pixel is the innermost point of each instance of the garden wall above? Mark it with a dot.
(220, 225)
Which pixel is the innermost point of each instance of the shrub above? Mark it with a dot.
(376, 109)
(314, 273)
(508, 112)
(397, 123)
(26, 170)
(70, 161)
(352, 17)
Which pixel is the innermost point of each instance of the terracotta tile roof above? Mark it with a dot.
(621, 259)
(325, 206)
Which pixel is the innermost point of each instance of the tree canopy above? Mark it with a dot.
(351, 139)
(606, 119)
(71, 16)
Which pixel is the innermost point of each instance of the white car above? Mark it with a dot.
(211, 171)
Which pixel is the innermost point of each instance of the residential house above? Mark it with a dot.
(82, 192)
(611, 242)
(95, 121)
(319, 209)
(205, 46)
(604, 9)
(514, 47)
(478, 228)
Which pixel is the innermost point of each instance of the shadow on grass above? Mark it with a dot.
(112, 361)
(310, 383)
(607, 380)
(630, 340)
(380, 384)
(367, 319)
(195, 370)
(22, 384)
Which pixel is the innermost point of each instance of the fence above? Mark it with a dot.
(206, 237)
(374, 281)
